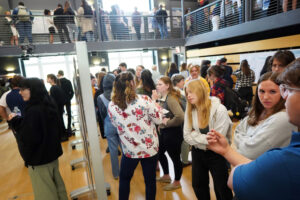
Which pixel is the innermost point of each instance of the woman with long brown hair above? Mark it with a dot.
(245, 77)
(147, 85)
(172, 70)
(202, 114)
(266, 126)
(135, 117)
(171, 137)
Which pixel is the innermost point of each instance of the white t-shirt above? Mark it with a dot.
(3, 102)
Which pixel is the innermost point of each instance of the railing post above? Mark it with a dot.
(183, 22)
(248, 10)
(98, 16)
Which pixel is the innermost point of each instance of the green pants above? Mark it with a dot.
(185, 149)
(47, 182)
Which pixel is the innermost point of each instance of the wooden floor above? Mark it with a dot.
(15, 182)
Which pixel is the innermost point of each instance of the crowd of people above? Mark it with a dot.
(212, 16)
(191, 114)
(80, 25)
(184, 110)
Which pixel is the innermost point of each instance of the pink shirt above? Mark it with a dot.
(136, 126)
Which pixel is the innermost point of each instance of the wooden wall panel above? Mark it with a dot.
(260, 45)
(235, 58)
(234, 67)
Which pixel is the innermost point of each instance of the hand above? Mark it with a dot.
(154, 95)
(165, 120)
(217, 142)
(11, 115)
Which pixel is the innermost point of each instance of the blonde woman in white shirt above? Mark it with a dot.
(202, 114)
(135, 117)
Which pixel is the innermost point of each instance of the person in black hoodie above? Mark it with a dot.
(38, 137)
(60, 99)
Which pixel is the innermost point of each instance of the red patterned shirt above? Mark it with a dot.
(217, 91)
(136, 126)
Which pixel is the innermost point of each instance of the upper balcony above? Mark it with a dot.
(57, 34)
(224, 20)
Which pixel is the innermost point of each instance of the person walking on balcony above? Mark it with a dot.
(161, 18)
(86, 21)
(137, 22)
(70, 21)
(23, 20)
(49, 24)
(60, 24)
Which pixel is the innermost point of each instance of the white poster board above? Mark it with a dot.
(257, 60)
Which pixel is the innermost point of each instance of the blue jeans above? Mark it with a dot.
(240, 15)
(163, 30)
(113, 143)
(25, 30)
(128, 166)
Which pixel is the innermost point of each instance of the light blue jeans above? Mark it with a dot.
(113, 141)
(163, 31)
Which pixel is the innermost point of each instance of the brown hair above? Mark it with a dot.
(123, 91)
(172, 68)
(67, 6)
(217, 70)
(257, 107)
(16, 81)
(203, 105)
(100, 76)
(245, 67)
(183, 67)
(291, 75)
(171, 90)
(284, 57)
(53, 78)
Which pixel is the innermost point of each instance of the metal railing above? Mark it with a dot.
(214, 16)
(17, 30)
(224, 13)
(261, 9)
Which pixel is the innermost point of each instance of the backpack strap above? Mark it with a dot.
(104, 100)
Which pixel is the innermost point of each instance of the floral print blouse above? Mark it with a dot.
(136, 126)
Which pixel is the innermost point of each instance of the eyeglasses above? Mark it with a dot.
(285, 90)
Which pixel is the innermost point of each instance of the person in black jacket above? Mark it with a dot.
(67, 87)
(37, 134)
(60, 99)
(60, 23)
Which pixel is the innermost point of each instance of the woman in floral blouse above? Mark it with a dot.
(135, 117)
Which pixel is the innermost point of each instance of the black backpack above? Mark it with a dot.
(233, 102)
